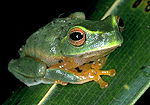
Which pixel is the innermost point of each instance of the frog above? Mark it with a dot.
(68, 50)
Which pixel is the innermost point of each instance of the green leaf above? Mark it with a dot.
(131, 62)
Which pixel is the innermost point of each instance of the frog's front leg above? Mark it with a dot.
(28, 70)
(91, 71)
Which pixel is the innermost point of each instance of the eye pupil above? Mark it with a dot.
(76, 36)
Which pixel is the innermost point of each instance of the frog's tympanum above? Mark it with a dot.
(68, 50)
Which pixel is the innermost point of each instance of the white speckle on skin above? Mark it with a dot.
(53, 49)
(96, 36)
(37, 32)
(83, 78)
(91, 76)
(52, 23)
(58, 71)
(60, 66)
(67, 75)
(41, 68)
(99, 64)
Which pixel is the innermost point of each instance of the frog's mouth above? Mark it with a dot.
(100, 53)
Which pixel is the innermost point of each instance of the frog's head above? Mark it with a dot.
(91, 38)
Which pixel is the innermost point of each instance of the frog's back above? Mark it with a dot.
(44, 44)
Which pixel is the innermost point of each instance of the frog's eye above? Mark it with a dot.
(76, 36)
(120, 23)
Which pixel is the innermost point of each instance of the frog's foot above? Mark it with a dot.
(99, 80)
(95, 75)
(60, 82)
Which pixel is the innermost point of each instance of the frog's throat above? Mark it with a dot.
(101, 52)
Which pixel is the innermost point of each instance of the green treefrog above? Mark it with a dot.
(68, 50)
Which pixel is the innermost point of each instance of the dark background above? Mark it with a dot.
(21, 20)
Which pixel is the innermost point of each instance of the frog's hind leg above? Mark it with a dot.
(28, 70)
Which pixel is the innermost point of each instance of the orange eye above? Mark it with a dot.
(76, 36)
(120, 23)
